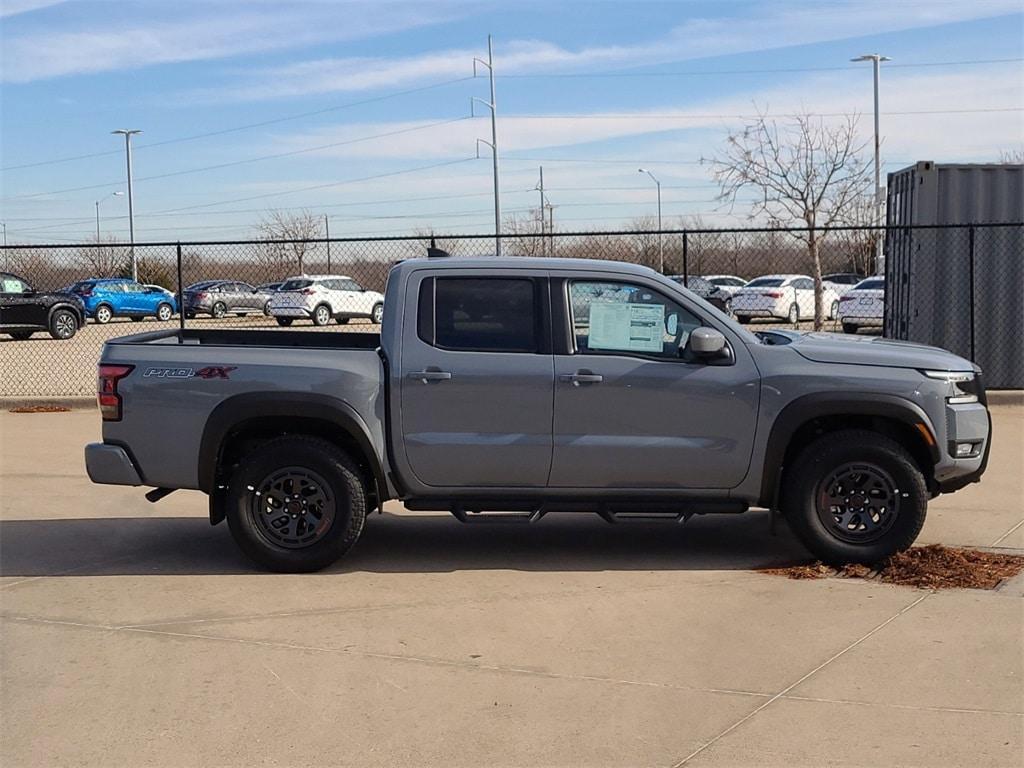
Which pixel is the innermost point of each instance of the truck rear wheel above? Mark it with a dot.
(855, 496)
(296, 504)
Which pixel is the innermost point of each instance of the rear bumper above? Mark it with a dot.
(290, 311)
(110, 465)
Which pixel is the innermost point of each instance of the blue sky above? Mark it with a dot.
(285, 99)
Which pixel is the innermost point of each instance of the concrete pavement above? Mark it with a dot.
(134, 634)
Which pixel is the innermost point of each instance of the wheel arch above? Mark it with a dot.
(243, 421)
(74, 309)
(813, 415)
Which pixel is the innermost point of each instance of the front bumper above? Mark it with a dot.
(110, 465)
(964, 423)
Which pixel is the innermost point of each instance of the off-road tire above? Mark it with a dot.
(341, 477)
(802, 493)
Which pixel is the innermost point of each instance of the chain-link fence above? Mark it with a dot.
(957, 287)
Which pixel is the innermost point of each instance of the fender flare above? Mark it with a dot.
(239, 411)
(821, 404)
(77, 311)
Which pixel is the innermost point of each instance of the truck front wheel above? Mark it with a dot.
(855, 496)
(296, 504)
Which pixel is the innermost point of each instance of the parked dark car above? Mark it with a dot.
(217, 298)
(23, 310)
(707, 290)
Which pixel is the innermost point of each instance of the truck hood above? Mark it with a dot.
(872, 350)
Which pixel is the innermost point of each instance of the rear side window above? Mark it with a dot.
(765, 282)
(479, 314)
(868, 285)
(295, 285)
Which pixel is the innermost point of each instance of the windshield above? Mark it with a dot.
(867, 285)
(295, 285)
(766, 282)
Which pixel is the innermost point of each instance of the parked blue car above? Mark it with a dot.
(107, 298)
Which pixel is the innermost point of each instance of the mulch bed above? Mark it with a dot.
(40, 409)
(931, 567)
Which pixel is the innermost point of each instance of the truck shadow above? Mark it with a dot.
(401, 544)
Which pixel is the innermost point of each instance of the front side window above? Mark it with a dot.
(480, 314)
(626, 318)
(12, 284)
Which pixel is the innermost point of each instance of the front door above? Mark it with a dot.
(17, 305)
(476, 381)
(629, 412)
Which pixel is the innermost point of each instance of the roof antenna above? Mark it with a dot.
(433, 252)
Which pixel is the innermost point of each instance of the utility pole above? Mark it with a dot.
(876, 65)
(661, 247)
(112, 194)
(540, 211)
(493, 143)
(327, 230)
(551, 228)
(128, 133)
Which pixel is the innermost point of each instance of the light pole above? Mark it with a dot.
(112, 194)
(876, 62)
(661, 249)
(128, 133)
(327, 234)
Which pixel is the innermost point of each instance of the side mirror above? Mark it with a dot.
(704, 344)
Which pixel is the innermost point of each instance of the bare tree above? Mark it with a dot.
(285, 240)
(525, 234)
(806, 171)
(104, 258)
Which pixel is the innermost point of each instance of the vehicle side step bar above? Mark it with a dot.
(482, 511)
(476, 516)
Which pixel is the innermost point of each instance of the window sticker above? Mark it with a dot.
(626, 327)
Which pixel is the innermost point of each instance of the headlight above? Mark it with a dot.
(965, 386)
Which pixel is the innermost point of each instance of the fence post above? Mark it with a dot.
(686, 260)
(181, 300)
(970, 283)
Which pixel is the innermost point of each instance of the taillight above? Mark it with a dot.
(106, 390)
(847, 298)
(772, 294)
(201, 295)
(308, 292)
(85, 292)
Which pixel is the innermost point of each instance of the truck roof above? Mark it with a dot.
(525, 263)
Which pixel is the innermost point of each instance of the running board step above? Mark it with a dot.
(476, 517)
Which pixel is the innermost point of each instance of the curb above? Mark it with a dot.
(79, 403)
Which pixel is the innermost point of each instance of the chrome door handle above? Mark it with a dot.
(428, 376)
(582, 378)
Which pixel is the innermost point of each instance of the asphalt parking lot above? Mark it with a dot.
(134, 634)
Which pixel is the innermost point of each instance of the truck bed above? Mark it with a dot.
(180, 379)
(256, 338)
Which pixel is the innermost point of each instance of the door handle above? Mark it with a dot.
(582, 378)
(428, 376)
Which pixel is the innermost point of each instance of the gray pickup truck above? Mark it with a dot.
(505, 388)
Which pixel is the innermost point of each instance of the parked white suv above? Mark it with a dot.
(321, 297)
(788, 297)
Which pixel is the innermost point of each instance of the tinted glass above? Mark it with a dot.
(82, 287)
(244, 288)
(485, 314)
(199, 286)
(765, 282)
(803, 283)
(349, 285)
(628, 319)
(295, 285)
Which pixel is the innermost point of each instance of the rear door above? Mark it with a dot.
(476, 380)
(17, 306)
(803, 287)
(629, 412)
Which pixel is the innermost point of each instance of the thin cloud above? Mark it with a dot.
(783, 24)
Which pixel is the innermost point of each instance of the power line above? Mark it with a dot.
(275, 156)
(783, 70)
(649, 116)
(246, 127)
